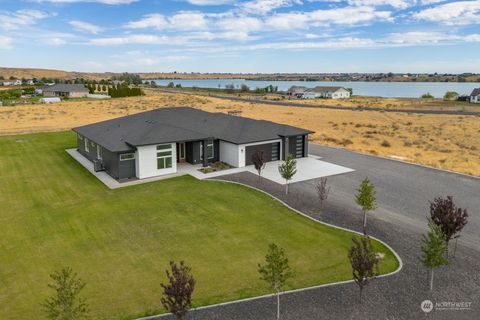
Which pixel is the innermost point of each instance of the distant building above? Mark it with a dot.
(17, 82)
(475, 96)
(296, 91)
(30, 82)
(65, 90)
(6, 83)
(327, 93)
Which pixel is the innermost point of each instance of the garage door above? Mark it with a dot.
(271, 152)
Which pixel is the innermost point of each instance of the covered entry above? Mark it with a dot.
(271, 152)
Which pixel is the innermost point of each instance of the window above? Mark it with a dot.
(210, 152)
(127, 156)
(164, 156)
(87, 145)
(79, 137)
(99, 152)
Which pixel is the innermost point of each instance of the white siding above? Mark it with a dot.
(230, 153)
(146, 162)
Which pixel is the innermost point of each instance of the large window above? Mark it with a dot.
(164, 156)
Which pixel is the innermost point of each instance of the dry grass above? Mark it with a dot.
(443, 141)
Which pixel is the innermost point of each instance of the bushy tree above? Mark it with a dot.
(450, 95)
(366, 199)
(363, 260)
(288, 169)
(65, 304)
(170, 85)
(276, 271)
(434, 249)
(427, 96)
(450, 218)
(244, 88)
(177, 293)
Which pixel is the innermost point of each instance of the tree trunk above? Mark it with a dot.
(364, 222)
(286, 187)
(455, 248)
(431, 279)
(278, 305)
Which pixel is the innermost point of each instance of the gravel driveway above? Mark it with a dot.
(399, 221)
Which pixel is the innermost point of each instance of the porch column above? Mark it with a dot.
(286, 151)
(204, 153)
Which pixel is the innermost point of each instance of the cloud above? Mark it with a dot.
(5, 42)
(184, 20)
(55, 41)
(85, 26)
(110, 2)
(135, 39)
(265, 6)
(453, 13)
(21, 19)
(399, 4)
(209, 2)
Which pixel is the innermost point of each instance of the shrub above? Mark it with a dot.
(385, 144)
(427, 96)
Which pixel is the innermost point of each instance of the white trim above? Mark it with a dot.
(127, 154)
(87, 144)
(99, 152)
(400, 262)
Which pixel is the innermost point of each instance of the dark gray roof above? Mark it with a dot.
(181, 124)
(61, 87)
(475, 92)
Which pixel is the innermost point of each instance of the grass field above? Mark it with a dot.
(54, 213)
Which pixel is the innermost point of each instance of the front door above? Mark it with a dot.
(181, 152)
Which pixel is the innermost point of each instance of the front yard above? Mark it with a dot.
(54, 213)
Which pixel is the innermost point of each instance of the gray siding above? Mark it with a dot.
(111, 161)
(193, 152)
(296, 145)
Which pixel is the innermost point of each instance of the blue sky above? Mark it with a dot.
(242, 36)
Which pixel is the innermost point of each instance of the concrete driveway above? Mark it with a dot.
(307, 169)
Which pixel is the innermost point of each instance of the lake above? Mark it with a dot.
(381, 89)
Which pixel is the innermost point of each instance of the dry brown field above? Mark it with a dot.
(442, 141)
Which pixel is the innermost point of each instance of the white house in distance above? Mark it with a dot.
(475, 96)
(319, 92)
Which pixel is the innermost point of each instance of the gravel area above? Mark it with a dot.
(395, 297)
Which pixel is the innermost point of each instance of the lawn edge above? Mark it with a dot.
(395, 254)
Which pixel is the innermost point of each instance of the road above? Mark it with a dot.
(317, 106)
(403, 190)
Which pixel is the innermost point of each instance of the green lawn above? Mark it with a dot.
(54, 213)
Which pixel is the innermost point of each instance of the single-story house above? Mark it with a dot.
(151, 143)
(475, 96)
(326, 92)
(65, 90)
(296, 91)
(50, 100)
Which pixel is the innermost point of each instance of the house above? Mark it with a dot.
(475, 96)
(65, 90)
(30, 82)
(326, 92)
(296, 91)
(151, 143)
(17, 82)
(7, 83)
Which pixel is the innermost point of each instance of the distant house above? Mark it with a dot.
(475, 96)
(17, 82)
(30, 82)
(327, 92)
(6, 83)
(296, 91)
(65, 90)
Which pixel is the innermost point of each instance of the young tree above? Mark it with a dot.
(258, 159)
(434, 249)
(177, 293)
(275, 271)
(366, 198)
(288, 169)
(449, 217)
(364, 261)
(322, 190)
(66, 304)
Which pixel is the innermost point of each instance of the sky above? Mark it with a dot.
(264, 36)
